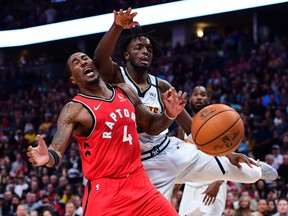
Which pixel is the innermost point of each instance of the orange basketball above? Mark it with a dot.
(217, 129)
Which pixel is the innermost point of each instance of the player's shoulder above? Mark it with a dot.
(164, 85)
(130, 93)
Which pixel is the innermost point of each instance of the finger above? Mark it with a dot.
(121, 12)
(205, 199)
(184, 95)
(133, 14)
(41, 143)
(128, 11)
(247, 161)
(253, 162)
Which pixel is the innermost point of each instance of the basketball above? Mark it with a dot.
(217, 129)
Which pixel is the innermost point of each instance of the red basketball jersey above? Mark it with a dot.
(112, 148)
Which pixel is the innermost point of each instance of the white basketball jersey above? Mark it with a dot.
(152, 99)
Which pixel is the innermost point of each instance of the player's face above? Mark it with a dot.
(199, 99)
(139, 53)
(83, 70)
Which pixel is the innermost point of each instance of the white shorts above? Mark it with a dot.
(182, 162)
(192, 201)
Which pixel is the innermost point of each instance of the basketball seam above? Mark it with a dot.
(220, 134)
(206, 122)
(223, 152)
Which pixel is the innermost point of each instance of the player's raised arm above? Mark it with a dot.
(104, 50)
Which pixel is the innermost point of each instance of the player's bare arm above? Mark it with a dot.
(183, 119)
(150, 122)
(67, 120)
(108, 69)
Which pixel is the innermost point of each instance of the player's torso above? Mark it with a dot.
(112, 147)
(152, 99)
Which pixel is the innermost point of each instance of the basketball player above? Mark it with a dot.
(202, 198)
(102, 120)
(167, 160)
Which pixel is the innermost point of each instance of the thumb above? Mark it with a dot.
(41, 142)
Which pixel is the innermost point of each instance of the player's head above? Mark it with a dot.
(199, 98)
(139, 49)
(81, 69)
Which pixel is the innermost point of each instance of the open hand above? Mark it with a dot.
(125, 19)
(174, 102)
(237, 158)
(38, 155)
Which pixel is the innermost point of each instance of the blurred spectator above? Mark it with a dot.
(277, 156)
(229, 209)
(58, 204)
(262, 208)
(22, 210)
(283, 168)
(281, 188)
(68, 193)
(34, 213)
(70, 209)
(261, 188)
(78, 204)
(282, 208)
(30, 201)
(73, 166)
(272, 208)
(21, 185)
(244, 208)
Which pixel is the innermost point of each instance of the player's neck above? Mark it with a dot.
(138, 76)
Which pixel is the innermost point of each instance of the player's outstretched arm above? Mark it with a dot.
(237, 158)
(52, 156)
(108, 69)
(153, 123)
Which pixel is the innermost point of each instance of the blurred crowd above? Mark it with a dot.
(253, 79)
(20, 14)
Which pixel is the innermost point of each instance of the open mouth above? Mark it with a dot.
(88, 72)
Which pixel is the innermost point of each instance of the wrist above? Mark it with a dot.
(48, 159)
(169, 117)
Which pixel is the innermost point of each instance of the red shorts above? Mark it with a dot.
(131, 196)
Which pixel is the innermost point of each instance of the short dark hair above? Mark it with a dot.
(67, 71)
(136, 32)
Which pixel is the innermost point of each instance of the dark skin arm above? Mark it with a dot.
(150, 122)
(108, 69)
(73, 117)
(183, 119)
(211, 192)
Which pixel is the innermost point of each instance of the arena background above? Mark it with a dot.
(241, 58)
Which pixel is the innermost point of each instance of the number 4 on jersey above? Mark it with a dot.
(127, 137)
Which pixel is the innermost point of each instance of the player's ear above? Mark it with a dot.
(72, 79)
(126, 56)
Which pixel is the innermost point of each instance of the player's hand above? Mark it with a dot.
(39, 155)
(174, 102)
(211, 192)
(125, 19)
(237, 158)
